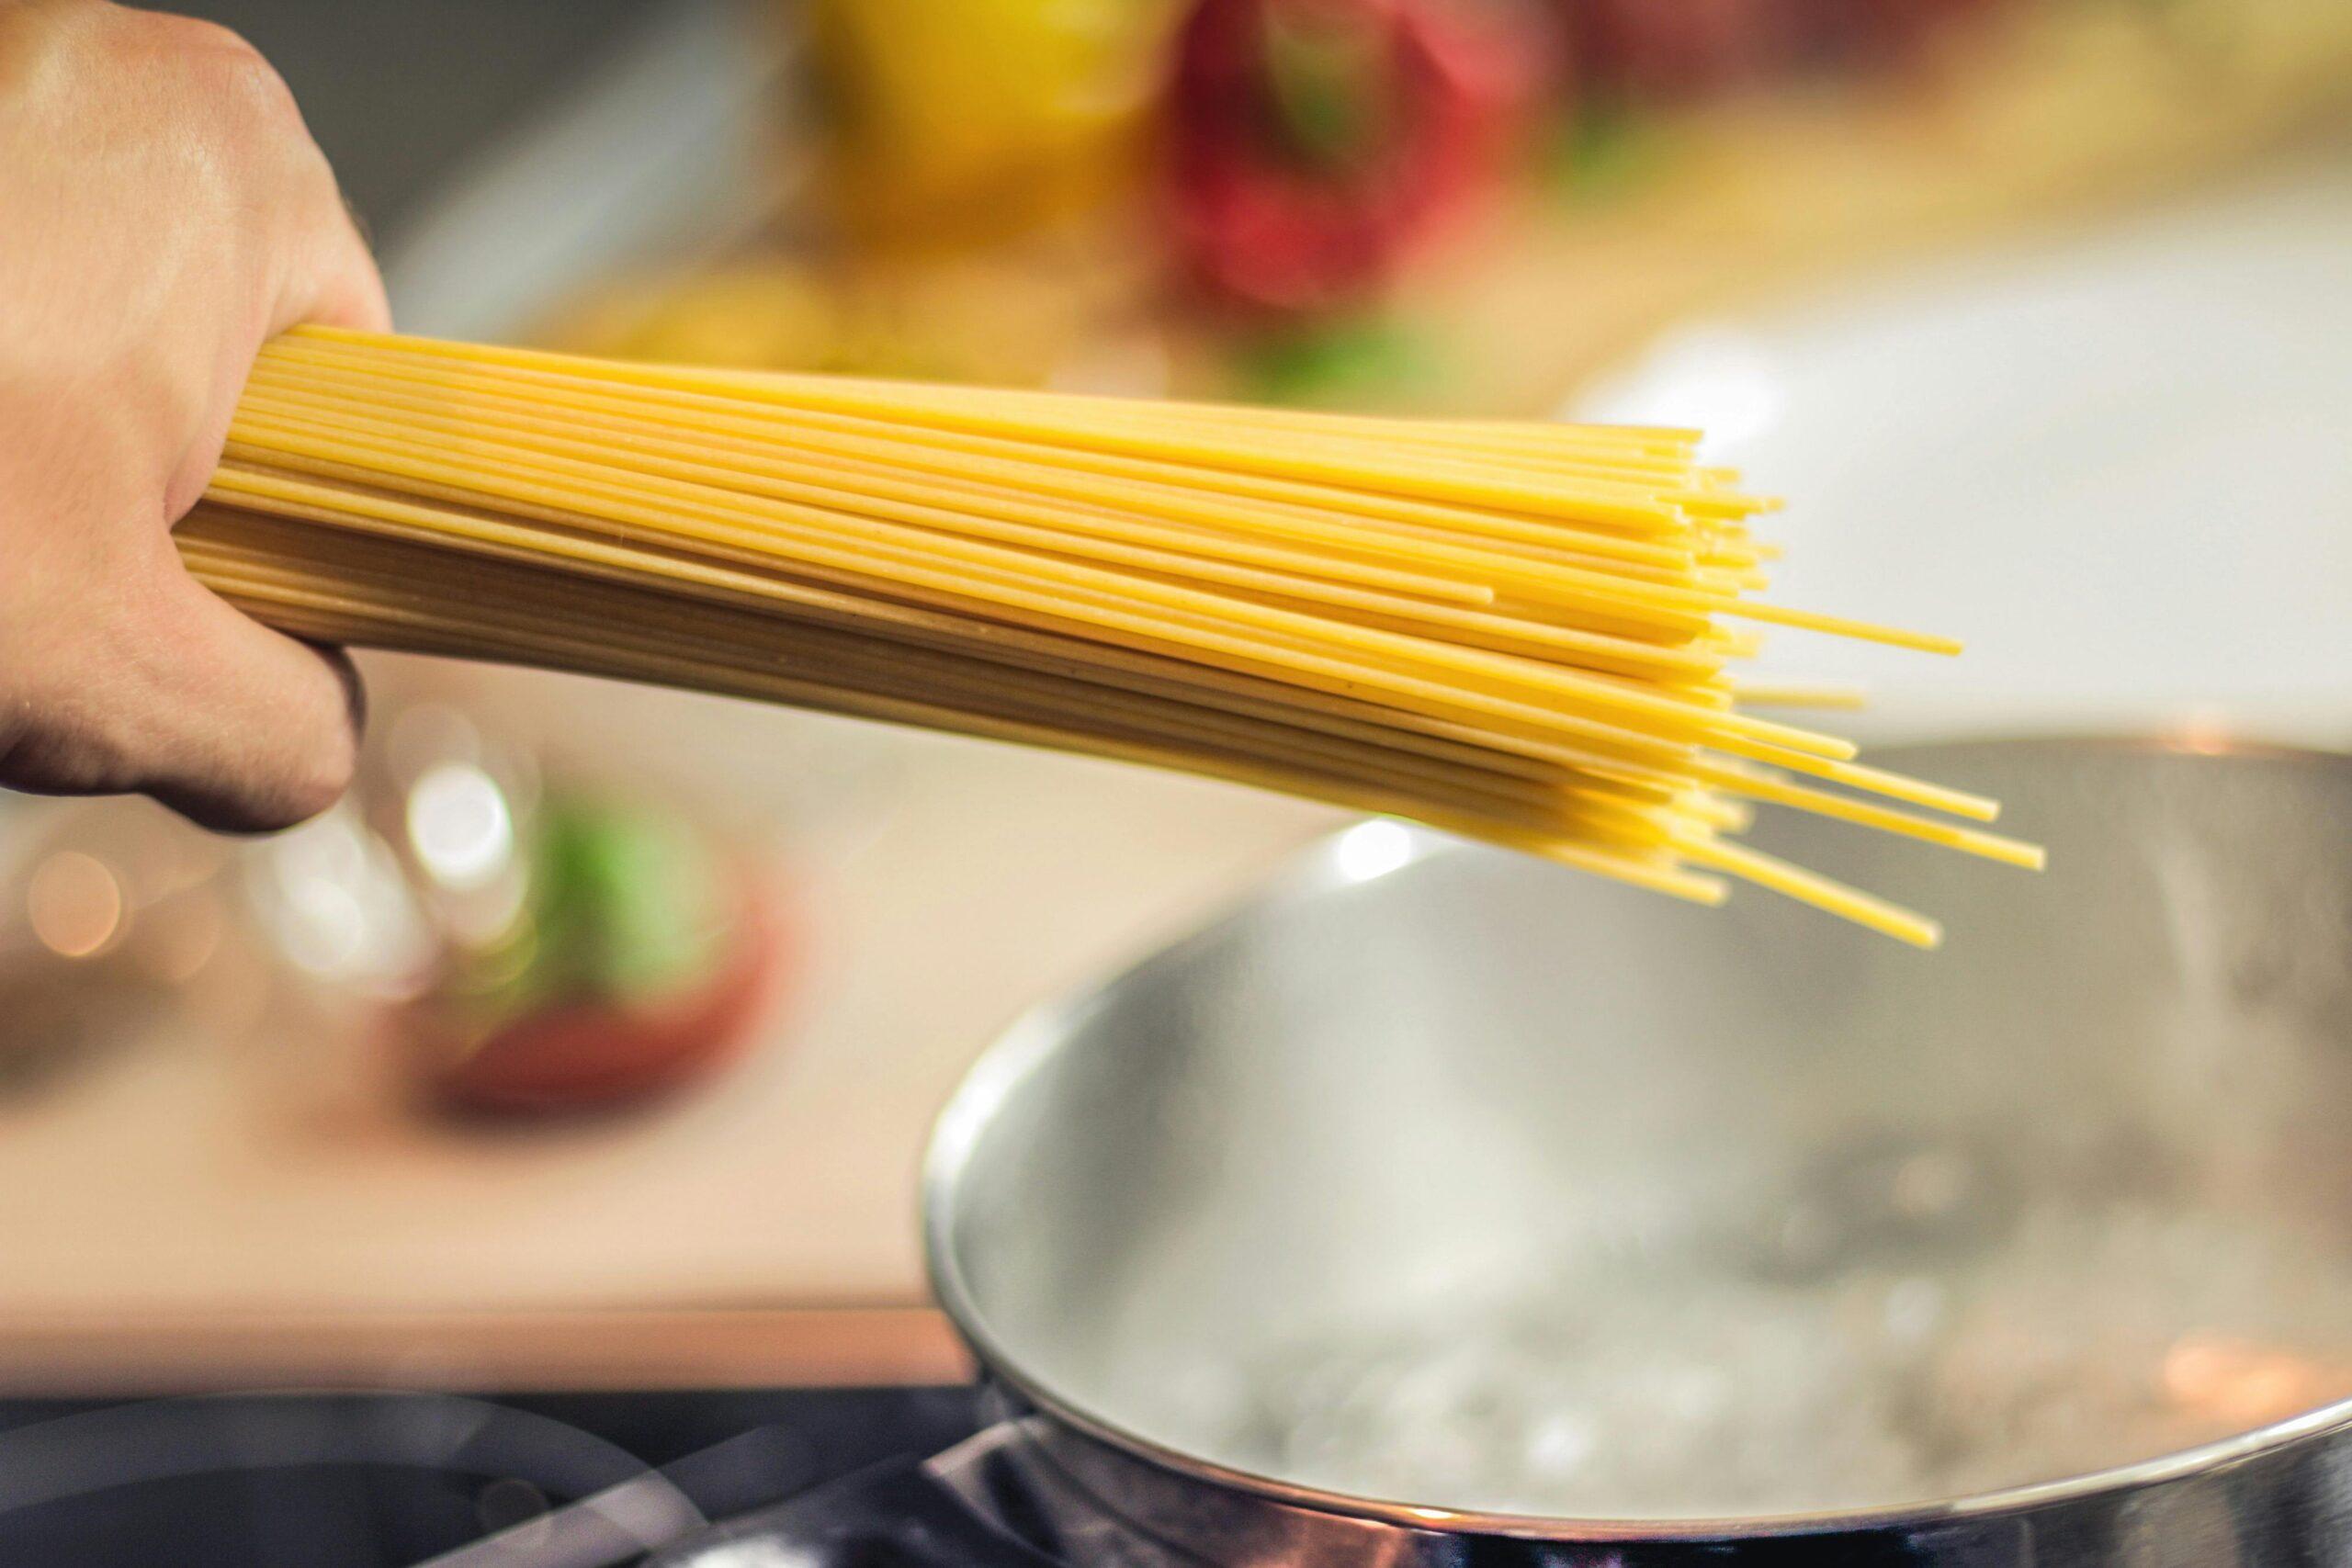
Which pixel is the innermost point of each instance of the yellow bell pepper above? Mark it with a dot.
(948, 123)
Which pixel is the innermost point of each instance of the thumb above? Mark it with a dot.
(256, 730)
(235, 726)
(333, 280)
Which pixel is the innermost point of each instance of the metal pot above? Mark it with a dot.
(2035, 1250)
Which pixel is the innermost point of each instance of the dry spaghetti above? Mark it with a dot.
(1520, 632)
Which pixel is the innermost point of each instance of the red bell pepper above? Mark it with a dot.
(1315, 144)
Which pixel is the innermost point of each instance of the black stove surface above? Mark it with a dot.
(390, 1481)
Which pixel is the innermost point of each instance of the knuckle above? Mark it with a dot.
(254, 87)
(221, 44)
(233, 72)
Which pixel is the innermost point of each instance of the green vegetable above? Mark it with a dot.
(624, 907)
(1603, 152)
(1359, 363)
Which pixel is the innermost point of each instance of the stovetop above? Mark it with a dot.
(393, 1480)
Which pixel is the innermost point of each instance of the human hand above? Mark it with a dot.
(162, 212)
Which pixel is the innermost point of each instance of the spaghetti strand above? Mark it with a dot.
(1513, 631)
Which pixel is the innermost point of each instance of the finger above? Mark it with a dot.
(331, 277)
(343, 287)
(231, 724)
(327, 276)
(263, 731)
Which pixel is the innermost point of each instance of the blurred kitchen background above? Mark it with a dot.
(594, 1040)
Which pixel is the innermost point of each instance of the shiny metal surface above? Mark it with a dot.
(1417, 1074)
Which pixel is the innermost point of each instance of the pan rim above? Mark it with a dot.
(1039, 1032)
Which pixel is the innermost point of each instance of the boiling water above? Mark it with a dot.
(2087, 1337)
(1906, 1314)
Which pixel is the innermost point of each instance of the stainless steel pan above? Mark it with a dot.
(1445, 1207)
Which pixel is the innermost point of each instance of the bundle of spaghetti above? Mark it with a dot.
(1520, 632)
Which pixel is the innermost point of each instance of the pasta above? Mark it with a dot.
(1521, 632)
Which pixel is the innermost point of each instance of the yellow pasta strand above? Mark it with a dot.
(1510, 630)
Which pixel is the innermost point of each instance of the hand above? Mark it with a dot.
(162, 212)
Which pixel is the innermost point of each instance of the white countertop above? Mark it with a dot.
(2119, 463)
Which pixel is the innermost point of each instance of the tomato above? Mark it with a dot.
(597, 1053)
(1315, 144)
(637, 959)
